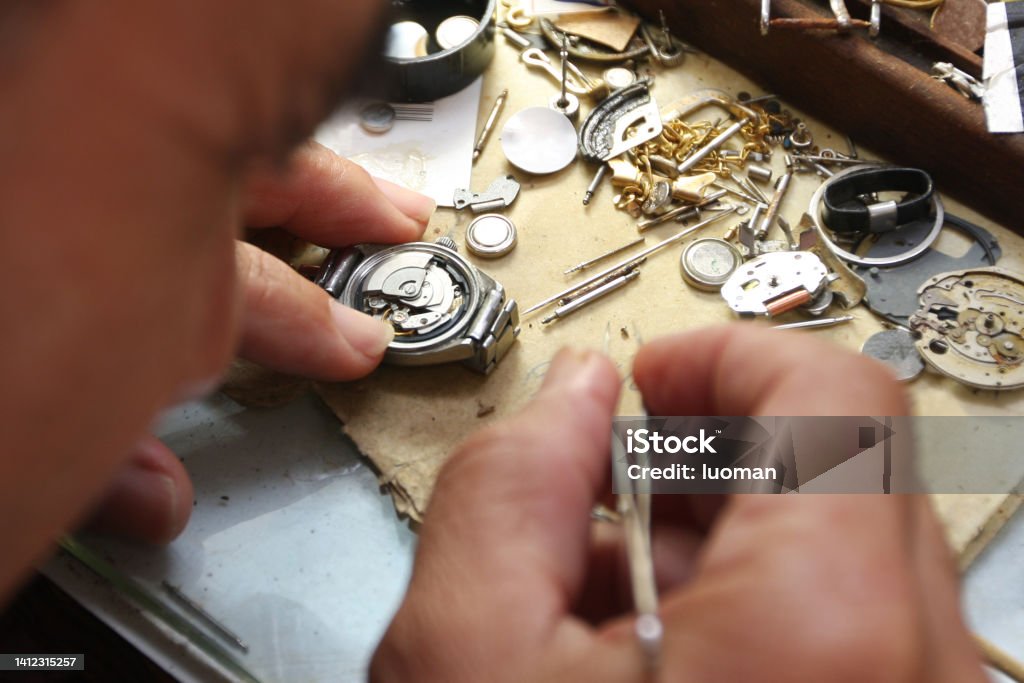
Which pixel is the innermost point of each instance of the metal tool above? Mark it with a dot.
(634, 507)
(766, 16)
(499, 195)
(701, 154)
(485, 134)
(599, 293)
(614, 252)
(815, 324)
(674, 239)
(539, 141)
(205, 616)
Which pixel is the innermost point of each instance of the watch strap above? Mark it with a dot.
(843, 215)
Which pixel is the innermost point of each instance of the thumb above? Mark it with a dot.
(508, 528)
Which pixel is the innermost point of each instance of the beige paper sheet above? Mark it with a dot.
(409, 420)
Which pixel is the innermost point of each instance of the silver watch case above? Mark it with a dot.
(443, 309)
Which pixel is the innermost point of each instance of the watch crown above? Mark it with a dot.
(447, 243)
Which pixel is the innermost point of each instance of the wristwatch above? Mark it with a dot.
(443, 308)
(842, 215)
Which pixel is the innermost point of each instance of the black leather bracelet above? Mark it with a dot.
(843, 215)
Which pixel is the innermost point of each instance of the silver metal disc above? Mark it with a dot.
(377, 118)
(455, 31)
(491, 236)
(896, 349)
(539, 141)
(708, 263)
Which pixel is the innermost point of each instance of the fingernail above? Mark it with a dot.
(367, 335)
(413, 204)
(572, 368)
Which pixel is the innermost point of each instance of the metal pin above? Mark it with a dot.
(625, 270)
(674, 239)
(563, 101)
(614, 252)
(853, 148)
(760, 98)
(788, 232)
(774, 206)
(702, 153)
(595, 184)
(819, 159)
(736, 193)
(814, 324)
(750, 187)
(766, 16)
(589, 298)
(485, 134)
(198, 611)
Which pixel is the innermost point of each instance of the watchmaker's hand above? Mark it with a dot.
(512, 583)
(287, 323)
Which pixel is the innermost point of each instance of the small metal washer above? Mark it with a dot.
(491, 236)
(377, 118)
(896, 349)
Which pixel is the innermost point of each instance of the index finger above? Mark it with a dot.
(743, 369)
(328, 200)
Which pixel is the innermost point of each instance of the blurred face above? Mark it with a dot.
(126, 130)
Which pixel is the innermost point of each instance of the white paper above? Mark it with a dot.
(548, 7)
(434, 158)
(1002, 96)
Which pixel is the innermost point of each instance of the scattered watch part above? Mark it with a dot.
(569, 107)
(911, 253)
(892, 292)
(773, 284)
(406, 40)
(659, 199)
(377, 118)
(455, 31)
(591, 51)
(618, 77)
(971, 327)
(709, 262)
(499, 195)
(849, 289)
(539, 140)
(491, 236)
(820, 303)
(443, 308)
(896, 348)
(626, 119)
